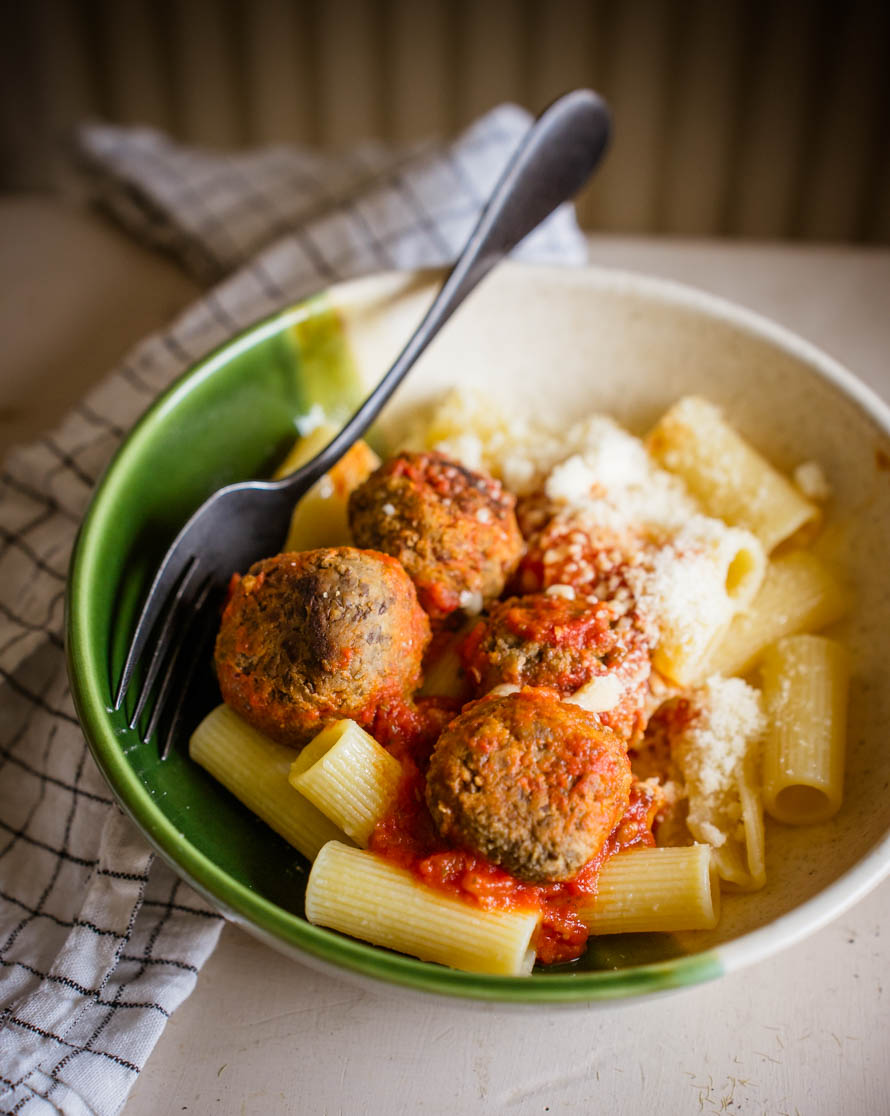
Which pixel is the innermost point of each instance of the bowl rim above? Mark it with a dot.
(290, 932)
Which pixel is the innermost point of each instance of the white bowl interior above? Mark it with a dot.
(561, 343)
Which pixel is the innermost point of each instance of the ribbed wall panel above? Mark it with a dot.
(704, 108)
(492, 54)
(351, 85)
(209, 75)
(136, 72)
(635, 63)
(843, 143)
(561, 51)
(279, 72)
(422, 73)
(770, 152)
(762, 118)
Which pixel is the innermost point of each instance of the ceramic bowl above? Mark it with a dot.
(555, 342)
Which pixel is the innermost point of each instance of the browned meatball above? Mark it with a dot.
(530, 782)
(453, 530)
(563, 643)
(310, 637)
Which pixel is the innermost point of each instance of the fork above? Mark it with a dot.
(243, 522)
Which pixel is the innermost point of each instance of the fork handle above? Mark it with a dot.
(554, 160)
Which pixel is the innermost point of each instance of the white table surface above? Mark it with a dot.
(804, 1033)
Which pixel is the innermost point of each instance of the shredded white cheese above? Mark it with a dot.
(727, 725)
(602, 477)
(564, 591)
(684, 587)
(503, 690)
(812, 482)
(471, 602)
(313, 418)
(599, 695)
(615, 483)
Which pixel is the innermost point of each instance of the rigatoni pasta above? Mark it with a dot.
(255, 769)
(731, 480)
(365, 896)
(609, 713)
(706, 575)
(349, 777)
(799, 593)
(445, 676)
(648, 890)
(716, 746)
(805, 680)
(319, 519)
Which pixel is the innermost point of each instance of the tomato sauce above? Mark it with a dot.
(407, 837)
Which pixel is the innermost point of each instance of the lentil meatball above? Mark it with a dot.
(453, 530)
(307, 638)
(530, 782)
(563, 642)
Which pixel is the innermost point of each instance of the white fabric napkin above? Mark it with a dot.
(99, 940)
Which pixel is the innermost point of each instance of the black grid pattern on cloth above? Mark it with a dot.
(99, 941)
(372, 210)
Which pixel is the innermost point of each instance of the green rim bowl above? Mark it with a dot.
(564, 342)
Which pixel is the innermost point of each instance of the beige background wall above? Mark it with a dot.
(733, 117)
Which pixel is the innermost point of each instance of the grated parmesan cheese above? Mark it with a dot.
(684, 586)
(468, 426)
(599, 695)
(471, 602)
(727, 726)
(503, 690)
(812, 482)
(614, 481)
(600, 478)
(564, 591)
(313, 418)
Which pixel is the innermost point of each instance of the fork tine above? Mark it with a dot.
(170, 671)
(158, 595)
(162, 644)
(208, 626)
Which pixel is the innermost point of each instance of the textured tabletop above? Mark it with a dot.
(804, 1032)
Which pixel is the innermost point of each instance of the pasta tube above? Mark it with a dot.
(365, 896)
(798, 594)
(655, 889)
(805, 682)
(728, 476)
(321, 517)
(708, 574)
(445, 676)
(305, 448)
(349, 777)
(255, 769)
(716, 751)
(741, 861)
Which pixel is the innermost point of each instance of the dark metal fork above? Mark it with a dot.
(244, 522)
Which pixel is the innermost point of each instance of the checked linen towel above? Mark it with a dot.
(99, 940)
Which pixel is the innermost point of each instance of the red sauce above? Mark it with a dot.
(407, 837)
(552, 620)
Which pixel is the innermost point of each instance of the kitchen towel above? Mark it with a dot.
(99, 939)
